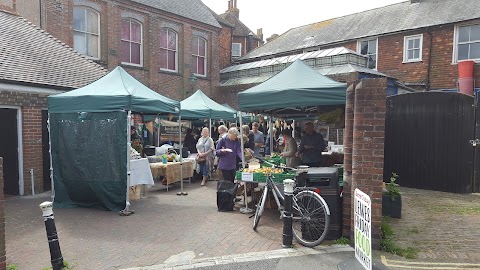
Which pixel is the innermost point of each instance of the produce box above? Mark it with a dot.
(262, 178)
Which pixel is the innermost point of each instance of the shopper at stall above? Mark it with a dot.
(190, 141)
(228, 149)
(249, 141)
(290, 150)
(311, 146)
(258, 139)
(136, 140)
(222, 131)
(205, 148)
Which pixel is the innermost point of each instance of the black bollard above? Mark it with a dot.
(55, 252)
(287, 213)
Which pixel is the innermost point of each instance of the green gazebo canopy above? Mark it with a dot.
(297, 86)
(116, 91)
(200, 106)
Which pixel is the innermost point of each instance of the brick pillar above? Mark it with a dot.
(3, 258)
(347, 162)
(368, 146)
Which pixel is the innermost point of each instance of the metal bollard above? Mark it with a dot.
(287, 213)
(54, 245)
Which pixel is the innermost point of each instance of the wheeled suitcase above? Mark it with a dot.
(226, 192)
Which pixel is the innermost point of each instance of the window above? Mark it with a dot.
(369, 48)
(168, 49)
(131, 47)
(412, 48)
(199, 56)
(467, 43)
(236, 49)
(86, 31)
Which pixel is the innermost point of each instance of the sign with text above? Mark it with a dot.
(247, 176)
(363, 229)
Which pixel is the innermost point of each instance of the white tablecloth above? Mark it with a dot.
(140, 173)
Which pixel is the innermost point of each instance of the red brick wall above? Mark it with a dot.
(59, 24)
(368, 147)
(347, 161)
(7, 5)
(443, 74)
(31, 108)
(243, 41)
(226, 47)
(32, 147)
(3, 258)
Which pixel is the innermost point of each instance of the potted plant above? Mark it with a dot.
(392, 198)
(164, 158)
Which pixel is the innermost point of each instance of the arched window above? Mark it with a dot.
(168, 49)
(86, 31)
(199, 56)
(131, 47)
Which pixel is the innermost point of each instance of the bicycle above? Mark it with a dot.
(310, 212)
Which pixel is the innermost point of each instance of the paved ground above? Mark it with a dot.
(163, 225)
(166, 228)
(443, 227)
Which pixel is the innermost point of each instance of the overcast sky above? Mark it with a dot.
(278, 16)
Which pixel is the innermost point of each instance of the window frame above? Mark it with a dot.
(359, 49)
(176, 50)
(455, 42)
(406, 49)
(130, 42)
(85, 8)
(198, 56)
(240, 50)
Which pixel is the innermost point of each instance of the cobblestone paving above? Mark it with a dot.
(163, 225)
(443, 227)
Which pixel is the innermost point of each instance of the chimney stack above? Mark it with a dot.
(260, 33)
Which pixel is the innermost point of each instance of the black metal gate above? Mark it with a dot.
(428, 141)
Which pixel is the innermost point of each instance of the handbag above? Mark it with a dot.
(201, 160)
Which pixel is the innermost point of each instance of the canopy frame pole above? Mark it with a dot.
(51, 161)
(271, 135)
(245, 209)
(181, 155)
(158, 129)
(127, 211)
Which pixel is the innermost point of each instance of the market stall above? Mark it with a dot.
(90, 139)
(297, 92)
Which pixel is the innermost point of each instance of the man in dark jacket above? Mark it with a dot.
(311, 146)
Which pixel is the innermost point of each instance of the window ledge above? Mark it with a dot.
(125, 65)
(476, 61)
(412, 61)
(170, 72)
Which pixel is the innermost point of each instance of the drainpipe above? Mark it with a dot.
(33, 182)
(429, 59)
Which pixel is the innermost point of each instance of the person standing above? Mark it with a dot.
(136, 140)
(228, 149)
(190, 141)
(290, 150)
(205, 148)
(311, 146)
(222, 131)
(258, 139)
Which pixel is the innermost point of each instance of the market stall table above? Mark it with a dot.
(140, 176)
(171, 171)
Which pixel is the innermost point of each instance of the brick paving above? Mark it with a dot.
(443, 227)
(163, 225)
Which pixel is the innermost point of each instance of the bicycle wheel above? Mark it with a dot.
(260, 207)
(311, 218)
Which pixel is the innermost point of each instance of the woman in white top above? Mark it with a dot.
(205, 148)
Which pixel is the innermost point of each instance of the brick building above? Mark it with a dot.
(33, 65)
(170, 46)
(243, 39)
(419, 42)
